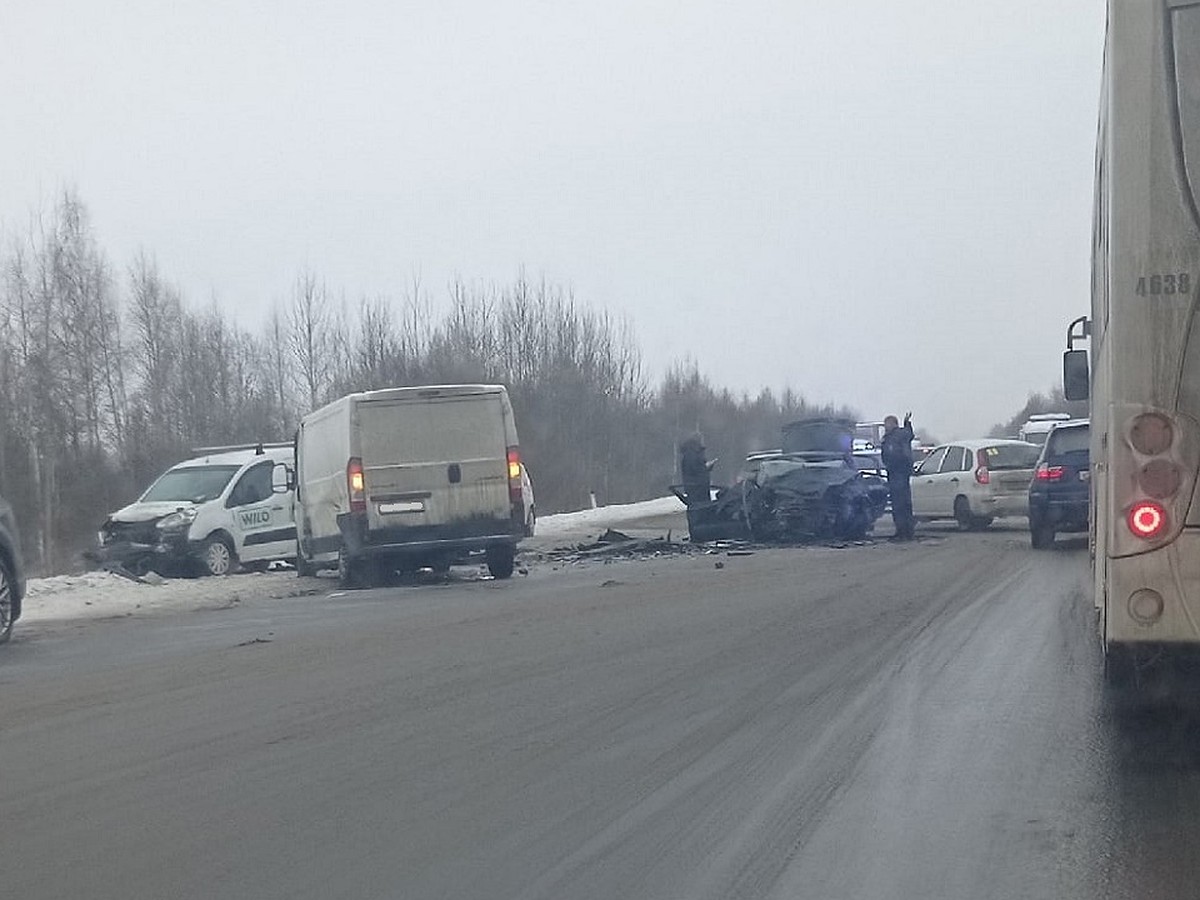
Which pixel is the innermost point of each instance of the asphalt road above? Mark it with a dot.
(920, 721)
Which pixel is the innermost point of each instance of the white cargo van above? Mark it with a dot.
(228, 506)
(1037, 428)
(404, 478)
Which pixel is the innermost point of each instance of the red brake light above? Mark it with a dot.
(1049, 473)
(982, 475)
(514, 464)
(1147, 519)
(357, 484)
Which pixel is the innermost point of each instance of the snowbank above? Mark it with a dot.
(97, 595)
(605, 516)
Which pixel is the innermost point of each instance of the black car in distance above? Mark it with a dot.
(1060, 493)
(12, 575)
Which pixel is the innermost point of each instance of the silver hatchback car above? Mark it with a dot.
(975, 481)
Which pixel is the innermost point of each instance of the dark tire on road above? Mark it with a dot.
(304, 569)
(8, 602)
(500, 560)
(360, 573)
(860, 522)
(962, 512)
(349, 571)
(217, 556)
(1041, 536)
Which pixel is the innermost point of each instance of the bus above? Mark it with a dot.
(1143, 380)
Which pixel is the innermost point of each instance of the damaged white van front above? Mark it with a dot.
(228, 507)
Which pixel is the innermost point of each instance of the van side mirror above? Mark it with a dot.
(1076, 375)
(283, 478)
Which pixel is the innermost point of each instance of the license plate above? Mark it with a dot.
(403, 506)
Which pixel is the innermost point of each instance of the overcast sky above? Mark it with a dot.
(880, 203)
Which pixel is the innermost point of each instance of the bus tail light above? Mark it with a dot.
(1151, 434)
(1147, 519)
(1160, 478)
(356, 482)
(982, 475)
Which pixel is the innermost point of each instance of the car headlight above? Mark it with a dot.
(177, 520)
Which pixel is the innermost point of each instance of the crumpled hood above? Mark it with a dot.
(148, 512)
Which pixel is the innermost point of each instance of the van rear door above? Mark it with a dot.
(435, 461)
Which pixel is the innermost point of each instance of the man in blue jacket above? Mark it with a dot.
(898, 460)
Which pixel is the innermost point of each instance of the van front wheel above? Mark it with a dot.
(217, 557)
(500, 559)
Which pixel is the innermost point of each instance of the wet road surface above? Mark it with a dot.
(920, 721)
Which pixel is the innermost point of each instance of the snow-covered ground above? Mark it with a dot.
(104, 595)
(96, 595)
(607, 516)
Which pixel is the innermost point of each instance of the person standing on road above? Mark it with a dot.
(694, 467)
(897, 456)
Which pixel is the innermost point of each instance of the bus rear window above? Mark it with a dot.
(1011, 456)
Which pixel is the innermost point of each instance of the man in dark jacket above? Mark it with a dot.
(898, 460)
(695, 469)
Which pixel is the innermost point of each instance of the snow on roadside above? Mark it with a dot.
(96, 595)
(605, 516)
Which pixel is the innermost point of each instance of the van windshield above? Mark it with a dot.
(192, 484)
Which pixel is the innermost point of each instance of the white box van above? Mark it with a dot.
(229, 506)
(404, 478)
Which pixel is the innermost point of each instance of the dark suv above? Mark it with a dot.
(12, 575)
(1060, 493)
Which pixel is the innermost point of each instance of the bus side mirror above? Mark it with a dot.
(1076, 377)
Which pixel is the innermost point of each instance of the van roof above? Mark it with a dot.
(238, 457)
(431, 391)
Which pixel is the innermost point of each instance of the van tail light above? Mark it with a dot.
(1047, 472)
(356, 482)
(982, 475)
(516, 494)
(1147, 519)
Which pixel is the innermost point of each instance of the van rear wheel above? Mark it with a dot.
(500, 560)
(349, 574)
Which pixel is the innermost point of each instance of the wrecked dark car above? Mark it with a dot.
(810, 490)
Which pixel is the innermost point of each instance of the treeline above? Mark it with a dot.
(108, 375)
(1038, 403)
